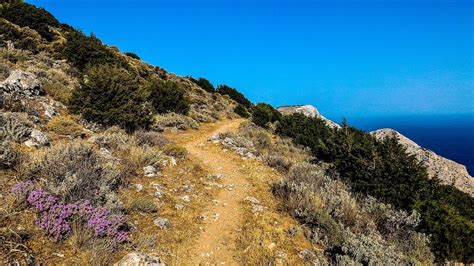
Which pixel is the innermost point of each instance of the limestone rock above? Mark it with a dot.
(307, 110)
(448, 172)
(21, 83)
(151, 171)
(37, 139)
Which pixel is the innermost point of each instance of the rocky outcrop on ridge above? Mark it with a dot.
(448, 171)
(307, 110)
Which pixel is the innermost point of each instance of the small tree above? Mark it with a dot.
(111, 96)
(235, 95)
(264, 113)
(242, 111)
(204, 84)
(167, 96)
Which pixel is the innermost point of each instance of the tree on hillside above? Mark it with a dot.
(110, 95)
(235, 95)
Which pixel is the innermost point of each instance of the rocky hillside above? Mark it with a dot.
(447, 171)
(105, 159)
(307, 110)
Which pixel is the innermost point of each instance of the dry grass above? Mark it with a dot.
(265, 237)
(66, 125)
(172, 245)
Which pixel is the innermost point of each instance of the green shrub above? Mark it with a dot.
(264, 113)
(58, 91)
(19, 37)
(167, 96)
(65, 125)
(175, 150)
(26, 15)
(83, 51)
(132, 55)
(143, 205)
(204, 84)
(385, 170)
(235, 95)
(242, 111)
(111, 96)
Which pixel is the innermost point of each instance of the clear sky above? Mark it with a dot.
(348, 58)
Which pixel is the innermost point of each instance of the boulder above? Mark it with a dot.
(21, 83)
(37, 139)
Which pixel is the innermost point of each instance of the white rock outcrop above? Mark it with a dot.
(447, 171)
(21, 83)
(307, 110)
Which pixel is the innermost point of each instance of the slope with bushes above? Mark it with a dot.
(82, 155)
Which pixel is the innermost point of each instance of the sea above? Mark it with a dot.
(451, 136)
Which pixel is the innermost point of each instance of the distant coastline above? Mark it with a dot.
(451, 136)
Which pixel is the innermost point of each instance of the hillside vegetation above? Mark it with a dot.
(94, 165)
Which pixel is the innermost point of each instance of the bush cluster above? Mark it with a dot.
(84, 51)
(204, 84)
(385, 170)
(242, 111)
(26, 15)
(235, 95)
(264, 113)
(110, 95)
(56, 218)
(166, 96)
(349, 228)
(76, 171)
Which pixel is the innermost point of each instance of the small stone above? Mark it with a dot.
(186, 198)
(160, 191)
(49, 111)
(39, 137)
(138, 187)
(179, 206)
(105, 152)
(162, 223)
(173, 161)
(215, 177)
(150, 171)
(136, 258)
(251, 200)
(257, 208)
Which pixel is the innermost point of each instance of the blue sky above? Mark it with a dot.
(348, 58)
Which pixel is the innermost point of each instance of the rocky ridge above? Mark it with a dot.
(307, 110)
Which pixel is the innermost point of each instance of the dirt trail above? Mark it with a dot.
(216, 244)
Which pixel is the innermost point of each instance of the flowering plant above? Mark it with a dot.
(55, 218)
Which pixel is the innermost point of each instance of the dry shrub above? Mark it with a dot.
(280, 163)
(114, 138)
(8, 155)
(151, 138)
(14, 249)
(14, 127)
(175, 150)
(173, 121)
(58, 91)
(133, 158)
(65, 125)
(143, 205)
(75, 171)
